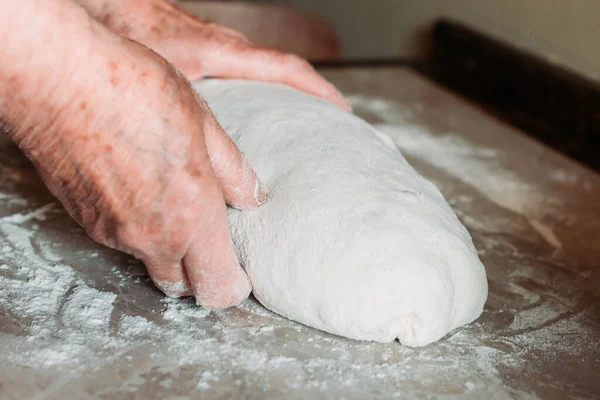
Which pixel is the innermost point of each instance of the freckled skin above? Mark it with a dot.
(204, 49)
(129, 158)
(134, 155)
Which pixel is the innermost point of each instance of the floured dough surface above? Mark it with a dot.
(352, 240)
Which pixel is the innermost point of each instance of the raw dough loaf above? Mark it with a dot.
(352, 240)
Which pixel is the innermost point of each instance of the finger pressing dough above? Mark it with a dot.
(352, 240)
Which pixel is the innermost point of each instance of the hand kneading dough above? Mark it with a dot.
(352, 240)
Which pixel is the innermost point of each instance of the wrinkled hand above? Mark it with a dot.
(204, 49)
(138, 159)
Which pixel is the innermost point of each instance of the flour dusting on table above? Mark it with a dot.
(77, 318)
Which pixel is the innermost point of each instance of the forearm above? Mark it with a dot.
(43, 45)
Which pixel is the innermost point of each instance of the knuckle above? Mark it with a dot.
(127, 235)
(159, 235)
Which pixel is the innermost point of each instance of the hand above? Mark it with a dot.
(203, 49)
(137, 158)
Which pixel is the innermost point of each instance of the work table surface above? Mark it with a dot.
(81, 321)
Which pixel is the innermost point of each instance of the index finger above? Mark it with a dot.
(249, 61)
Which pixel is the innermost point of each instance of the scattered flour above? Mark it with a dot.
(135, 326)
(177, 311)
(75, 333)
(477, 166)
(38, 214)
(460, 158)
(88, 309)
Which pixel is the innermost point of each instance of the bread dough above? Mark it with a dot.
(352, 240)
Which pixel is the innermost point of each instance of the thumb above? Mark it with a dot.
(239, 183)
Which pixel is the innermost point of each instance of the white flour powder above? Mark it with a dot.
(66, 330)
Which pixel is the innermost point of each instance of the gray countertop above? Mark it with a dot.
(81, 321)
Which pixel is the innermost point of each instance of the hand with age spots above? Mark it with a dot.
(122, 140)
(204, 49)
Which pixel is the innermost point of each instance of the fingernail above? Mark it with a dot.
(346, 105)
(336, 97)
(242, 289)
(229, 296)
(174, 289)
(343, 103)
(260, 192)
